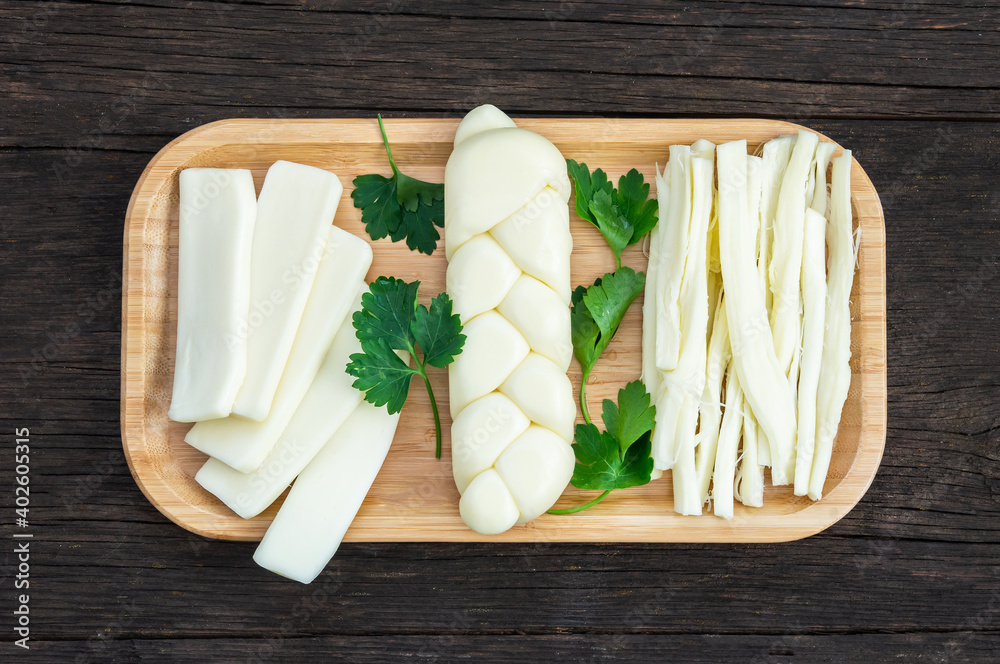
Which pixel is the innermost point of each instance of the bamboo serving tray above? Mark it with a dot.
(414, 497)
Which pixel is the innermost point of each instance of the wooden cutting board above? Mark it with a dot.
(414, 497)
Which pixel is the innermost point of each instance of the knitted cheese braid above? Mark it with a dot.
(508, 244)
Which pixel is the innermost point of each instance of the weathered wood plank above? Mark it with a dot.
(953, 647)
(111, 68)
(171, 583)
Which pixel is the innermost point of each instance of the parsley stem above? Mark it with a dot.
(434, 409)
(583, 397)
(580, 508)
(388, 150)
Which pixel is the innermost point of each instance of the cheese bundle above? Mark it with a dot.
(508, 244)
(747, 309)
(266, 289)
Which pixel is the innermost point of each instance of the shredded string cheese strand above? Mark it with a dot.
(814, 311)
(729, 439)
(749, 486)
(835, 372)
(673, 190)
(786, 262)
(760, 374)
(710, 411)
(776, 154)
(683, 387)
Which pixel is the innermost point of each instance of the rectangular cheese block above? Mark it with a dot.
(327, 404)
(217, 212)
(244, 444)
(295, 211)
(325, 498)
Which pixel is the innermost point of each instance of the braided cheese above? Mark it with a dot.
(508, 244)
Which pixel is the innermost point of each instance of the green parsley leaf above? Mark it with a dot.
(610, 297)
(390, 320)
(600, 466)
(595, 315)
(375, 196)
(420, 232)
(623, 215)
(632, 198)
(400, 207)
(438, 332)
(412, 193)
(584, 332)
(586, 186)
(382, 375)
(387, 311)
(618, 457)
(632, 417)
(612, 223)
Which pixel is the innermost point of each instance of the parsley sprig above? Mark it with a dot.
(623, 215)
(400, 206)
(619, 456)
(390, 320)
(595, 315)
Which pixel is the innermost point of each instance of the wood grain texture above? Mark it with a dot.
(909, 575)
(414, 497)
(718, 58)
(707, 649)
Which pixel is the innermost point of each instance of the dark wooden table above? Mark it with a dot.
(89, 91)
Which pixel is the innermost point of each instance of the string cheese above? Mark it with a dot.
(775, 154)
(294, 215)
(312, 522)
(328, 402)
(729, 440)
(813, 315)
(217, 212)
(761, 377)
(786, 260)
(835, 372)
(243, 444)
(682, 387)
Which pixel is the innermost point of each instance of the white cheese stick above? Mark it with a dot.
(683, 386)
(243, 444)
(217, 212)
(326, 405)
(668, 248)
(294, 215)
(813, 324)
(786, 260)
(508, 245)
(650, 375)
(776, 154)
(761, 377)
(724, 481)
(749, 485)
(309, 527)
(821, 197)
(835, 372)
(710, 412)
